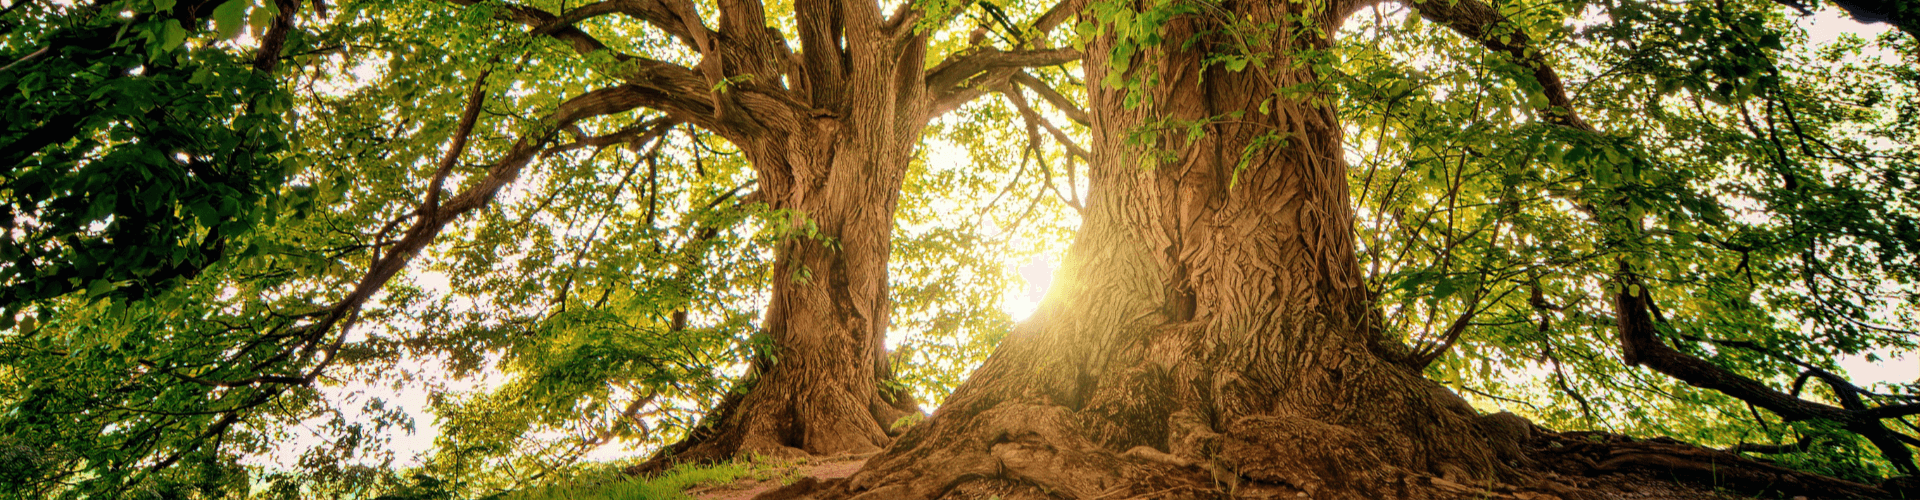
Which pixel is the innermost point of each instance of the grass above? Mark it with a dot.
(671, 485)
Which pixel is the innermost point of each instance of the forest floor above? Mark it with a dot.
(1583, 467)
(748, 487)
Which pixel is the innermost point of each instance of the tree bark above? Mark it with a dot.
(818, 391)
(836, 171)
(1214, 332)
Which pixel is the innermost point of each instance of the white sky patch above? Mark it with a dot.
(1829, 25)
(1038, 273)
(1891, 368)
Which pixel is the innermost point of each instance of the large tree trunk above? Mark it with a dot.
(836, 171)
(817, 391)
(1212, 330)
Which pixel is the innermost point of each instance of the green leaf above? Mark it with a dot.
(172, 35)
(259, 17)
(228, 17)
(99, 287)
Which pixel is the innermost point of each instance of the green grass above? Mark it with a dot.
(672, 485)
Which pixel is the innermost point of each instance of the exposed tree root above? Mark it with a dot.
(782, 428)
(1028, 452)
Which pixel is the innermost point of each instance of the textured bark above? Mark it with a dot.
(838, 169)
(1211, 331)
(817, 392)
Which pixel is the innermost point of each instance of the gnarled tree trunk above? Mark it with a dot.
(1211, 330)
(836, 171)
(830, 133)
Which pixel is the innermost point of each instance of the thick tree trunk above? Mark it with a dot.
(818, 391)
(837, 172)
(1213, 332)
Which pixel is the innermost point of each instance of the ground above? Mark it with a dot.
(813, 469)
(1570, 466)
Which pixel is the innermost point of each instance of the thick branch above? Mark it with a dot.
(275, 39)
(1641, 345)
(820, 53)
(666, 78)
(1058, 14)
(960, 78)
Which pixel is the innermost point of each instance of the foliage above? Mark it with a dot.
(178, 235)
(1763, 192)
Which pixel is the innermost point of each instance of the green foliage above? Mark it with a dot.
(135, 151)
(1762, 190)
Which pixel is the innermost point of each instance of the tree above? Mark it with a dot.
(829, 131)
(1219, 329)
(1218, 332)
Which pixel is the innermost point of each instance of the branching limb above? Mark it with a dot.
(1426, 354)
(664, 77)
(1641, 345)
(637, 134)
(654, 12)
(1033, 121)
(1058, 14)
(475, 99)
(963, 78)
(275, 39)
(428, 222)
(1053, 97)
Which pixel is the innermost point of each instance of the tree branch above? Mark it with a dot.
(1053, 97)
(638, 134)
(1479, 22)
(427, 224)
(1033, 118)
(475, 98)
(1640, 345)
(1058, 14)
(962, 78)
(275, 39)
(666, 77)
